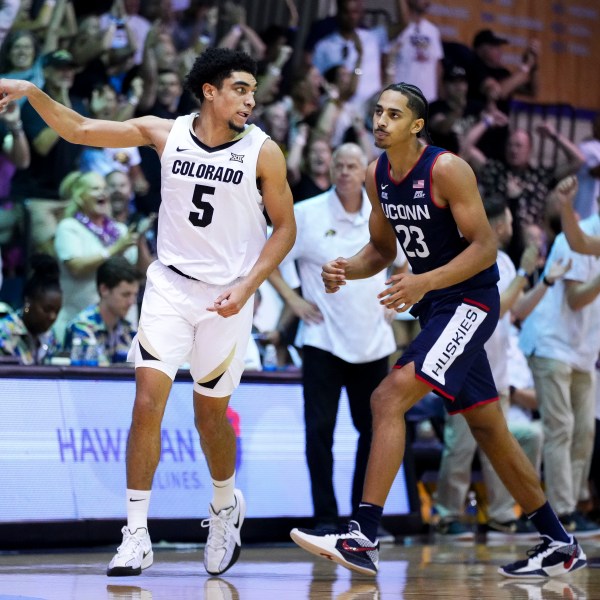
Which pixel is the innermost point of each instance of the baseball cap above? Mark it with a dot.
(455, 73)
(487, 36)
(58, 59)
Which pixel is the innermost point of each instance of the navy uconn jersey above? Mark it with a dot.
(427, 232)
(211, 223)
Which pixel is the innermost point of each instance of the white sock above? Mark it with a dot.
(138, 502)
(223, 494)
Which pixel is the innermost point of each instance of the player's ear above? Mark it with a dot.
(208, 90)
(418, 125)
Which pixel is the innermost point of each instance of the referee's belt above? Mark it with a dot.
(176, 270)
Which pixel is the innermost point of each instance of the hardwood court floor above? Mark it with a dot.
(410, 570)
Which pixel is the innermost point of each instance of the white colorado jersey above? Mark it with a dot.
(211, 224)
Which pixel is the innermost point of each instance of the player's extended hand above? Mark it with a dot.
(231, 301)
(334, 274)
(405, 290)
(11, 90)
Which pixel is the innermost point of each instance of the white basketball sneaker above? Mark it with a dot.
(133, 555)
(224, 542)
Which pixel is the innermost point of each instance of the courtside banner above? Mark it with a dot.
(63, 446)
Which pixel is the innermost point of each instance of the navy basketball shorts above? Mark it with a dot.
(448, 353)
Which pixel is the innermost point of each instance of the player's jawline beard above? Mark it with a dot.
(236, 128)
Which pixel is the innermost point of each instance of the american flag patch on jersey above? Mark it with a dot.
(418, 184)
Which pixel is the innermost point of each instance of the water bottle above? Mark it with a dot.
(471, 511)
(270, 358)
(90, 358)
(77, 352)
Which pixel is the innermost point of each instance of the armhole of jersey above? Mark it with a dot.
(431, 182)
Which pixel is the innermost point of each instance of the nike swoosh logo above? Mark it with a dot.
(384, 186)
(136, 500)
(178, 149)
(569, 563)
(349, 548)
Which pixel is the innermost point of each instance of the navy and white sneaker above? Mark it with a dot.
(350, 548)
(550, 558)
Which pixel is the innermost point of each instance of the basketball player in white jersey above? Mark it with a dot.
(217, 176)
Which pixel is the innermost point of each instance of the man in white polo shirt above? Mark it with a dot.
(346, 337)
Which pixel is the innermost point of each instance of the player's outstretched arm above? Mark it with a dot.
(78, 129)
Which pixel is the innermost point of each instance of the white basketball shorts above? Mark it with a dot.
(176, 328)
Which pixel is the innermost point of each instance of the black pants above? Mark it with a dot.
(323, 377)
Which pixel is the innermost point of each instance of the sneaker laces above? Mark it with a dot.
(541, 547)
(219, 527)
(130, 541)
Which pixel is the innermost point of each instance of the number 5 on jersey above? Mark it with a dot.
(205, 217)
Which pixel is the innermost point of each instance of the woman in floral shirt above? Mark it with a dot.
(25, 334)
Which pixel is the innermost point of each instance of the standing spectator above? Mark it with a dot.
(580, 240)
(588, 193)
(525, 186)
(52, 157)
(8, 13)
(346, 338)
(358, 49)
(493, 84)
(26, 334)
(415, 55)
(561, 339)
(453, 115)
(104, 323)
(85, 238)
(14, 155)
(309, 165)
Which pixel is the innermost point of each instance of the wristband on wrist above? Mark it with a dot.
(521, 272)
(547, 282)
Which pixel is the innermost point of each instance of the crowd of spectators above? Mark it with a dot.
(66, 204)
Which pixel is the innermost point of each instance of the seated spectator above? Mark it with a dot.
(25, 334)
(105, 323)
(85, 238)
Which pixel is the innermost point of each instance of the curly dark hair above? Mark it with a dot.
(214, 65)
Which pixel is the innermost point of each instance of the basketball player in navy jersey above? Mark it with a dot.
(428, 199)
(217, 176)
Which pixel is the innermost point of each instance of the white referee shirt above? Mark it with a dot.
(354, 327)
(211, 224)
(555, 331)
